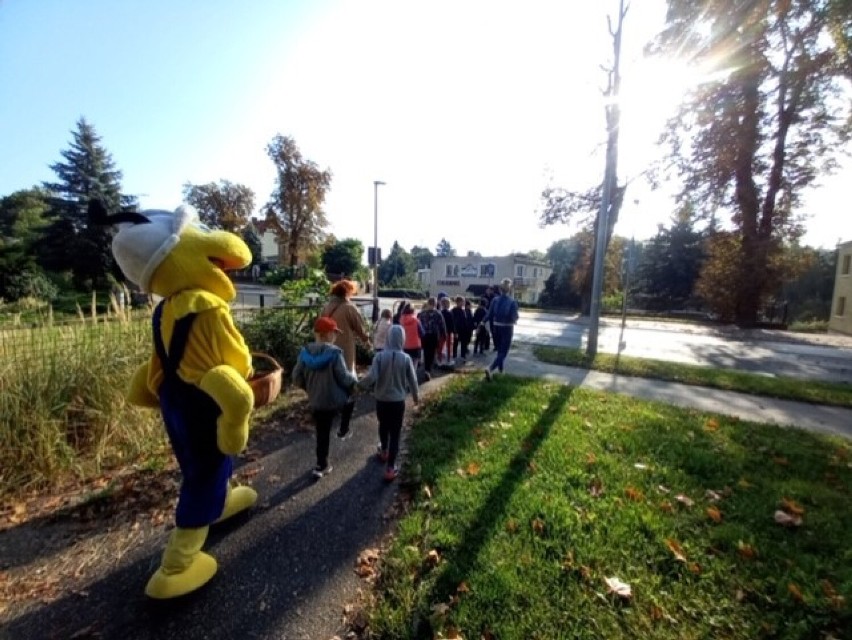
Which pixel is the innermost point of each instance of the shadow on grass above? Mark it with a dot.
(465, 556)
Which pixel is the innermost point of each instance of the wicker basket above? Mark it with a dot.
(266, 385)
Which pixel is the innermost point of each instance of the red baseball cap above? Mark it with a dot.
(325, 324)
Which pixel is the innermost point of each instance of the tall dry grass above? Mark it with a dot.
(62, 398)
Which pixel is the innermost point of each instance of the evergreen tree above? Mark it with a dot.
(422, 257)
(399, 265)
(252, 238)
(671, 263)
(70, 243)
(444, 249)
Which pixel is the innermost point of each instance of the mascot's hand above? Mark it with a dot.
(235, 398)
(139, 393)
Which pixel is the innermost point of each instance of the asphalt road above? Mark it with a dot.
(768, 352)
(771, 353)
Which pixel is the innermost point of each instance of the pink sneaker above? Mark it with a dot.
(391, 473)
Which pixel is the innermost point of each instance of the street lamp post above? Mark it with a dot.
(376, 184)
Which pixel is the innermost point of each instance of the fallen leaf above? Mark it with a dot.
(794, 591)
(440, 610)
(573, 408)
(663, 489)
(792, 507)
(433, 558)
(619, 588)
(695, 568)
(711, 425)
(538, 525)
(714, 514)
(684, 500)
(743, 483)
(712, 496)
(512, 525)
(746, 550)
(666, 506)
(676, 549)
(473, 469)
(596, 488)
(591, 458)
(640, 465)
(786, 520)
(463, 587)
(634, 494)
(427, 492)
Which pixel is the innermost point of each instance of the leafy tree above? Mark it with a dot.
(295, 207)
(671, 263)
(444, 249)
(70, 242)
(767, 123)
(23, 218)
(720, 274)
(343, 257)
(251, 237)
(422, 257)
(225, 205)
(809, 289)
(571, 262)
(399, 265)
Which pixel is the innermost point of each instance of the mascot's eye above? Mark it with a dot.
(202, 227)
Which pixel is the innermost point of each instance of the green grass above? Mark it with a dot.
(527, 495)
(813, 391)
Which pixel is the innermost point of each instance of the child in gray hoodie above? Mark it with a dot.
(322, 372)
(392, 378)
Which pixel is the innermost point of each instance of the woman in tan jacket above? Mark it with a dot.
(348, 319)
(344, 312)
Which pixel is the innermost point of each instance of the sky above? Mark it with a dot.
(465, 109)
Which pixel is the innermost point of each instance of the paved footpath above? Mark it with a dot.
(813, 417)
(287, 568)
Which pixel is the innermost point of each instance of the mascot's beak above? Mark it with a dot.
(227, 263)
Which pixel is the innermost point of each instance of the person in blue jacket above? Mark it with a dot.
(503, 315)
(322, 372)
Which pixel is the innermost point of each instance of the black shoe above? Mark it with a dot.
(319, 471)
(344, 433)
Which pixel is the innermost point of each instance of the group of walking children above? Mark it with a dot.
(322, 371)
(438, 332)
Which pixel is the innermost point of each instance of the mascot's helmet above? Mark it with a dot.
(144, 239)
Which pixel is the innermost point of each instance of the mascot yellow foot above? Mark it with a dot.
(239, 499)
(184, 567)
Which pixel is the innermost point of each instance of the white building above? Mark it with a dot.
(470, 275)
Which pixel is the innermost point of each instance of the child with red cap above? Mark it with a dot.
(322, 372)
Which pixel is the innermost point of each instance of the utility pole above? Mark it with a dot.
(376, 184)
(613, 113)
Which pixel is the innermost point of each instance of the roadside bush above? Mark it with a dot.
(280, 333)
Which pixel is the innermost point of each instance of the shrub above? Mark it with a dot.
(280, 333)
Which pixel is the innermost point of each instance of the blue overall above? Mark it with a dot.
(190, 417)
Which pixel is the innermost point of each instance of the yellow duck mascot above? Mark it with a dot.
(196, 376)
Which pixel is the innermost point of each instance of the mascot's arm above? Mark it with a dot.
(139, 393)
(225, 381)
(234, 396)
